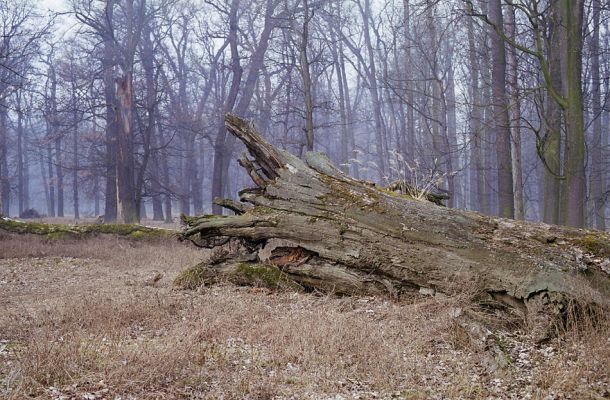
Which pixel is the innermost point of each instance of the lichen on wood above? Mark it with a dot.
(66, 231)
(350, 237)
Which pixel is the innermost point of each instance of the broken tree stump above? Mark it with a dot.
(317, 228)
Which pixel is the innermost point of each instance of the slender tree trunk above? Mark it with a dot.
(408, 76)
(5, 188)
(348, 113)
(515, 116)
(45, 182)
(344, 147)
(52, 181)
(165, 177)
(306, 78)
(96, 194)
(110, 207)
(454, 183)
(598, 169)
(373, 88)
(75, 165)
(475, 164)
(20, 166)
(59, 170)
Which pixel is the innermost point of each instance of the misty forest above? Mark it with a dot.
(116, 108)
(317, 199)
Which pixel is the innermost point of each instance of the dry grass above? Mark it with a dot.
(87, 319)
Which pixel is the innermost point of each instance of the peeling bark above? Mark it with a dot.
(326, 231)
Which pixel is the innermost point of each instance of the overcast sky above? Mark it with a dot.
(55, 5)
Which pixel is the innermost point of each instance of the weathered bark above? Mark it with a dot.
(326, 231)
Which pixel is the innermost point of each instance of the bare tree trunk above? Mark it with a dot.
(572, 211)
(344, 147)
(167, 202)
(348, 113)
(52, 181)
(45, 183)
(474, 170)
(306, 77)
(380, 145)
(127, 210)
(5, 187)
(515, 116)
(506, 207)
(59, 170)
(551, 143)
(220, 145)
(20, 165)
(75, 165)
(110, 206)
(454, 183)
(598, 169)
(409, 72)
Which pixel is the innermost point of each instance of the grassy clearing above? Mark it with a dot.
(90, 318)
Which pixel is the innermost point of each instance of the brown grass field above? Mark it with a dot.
(98, 318)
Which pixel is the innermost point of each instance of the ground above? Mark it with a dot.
(99, 318)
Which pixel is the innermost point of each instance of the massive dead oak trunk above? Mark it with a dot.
(312, 226)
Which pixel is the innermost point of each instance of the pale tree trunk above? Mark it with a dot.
(75, 165)
(371, 71)
(475, 165)
(51, 205)
(344, 148)
(45, 183)
(454, 183)
(506, 207)
(408, 75)
(348, 112)
(515, 116)
(167, 200)
(20, 165)
(5, 188)
(312, 227)
(59, 171)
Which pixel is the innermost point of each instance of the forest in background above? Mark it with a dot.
(116, 107)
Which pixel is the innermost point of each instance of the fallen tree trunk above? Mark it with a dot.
(66, 231)
(316, 228)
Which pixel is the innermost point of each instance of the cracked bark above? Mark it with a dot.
(316, 227)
